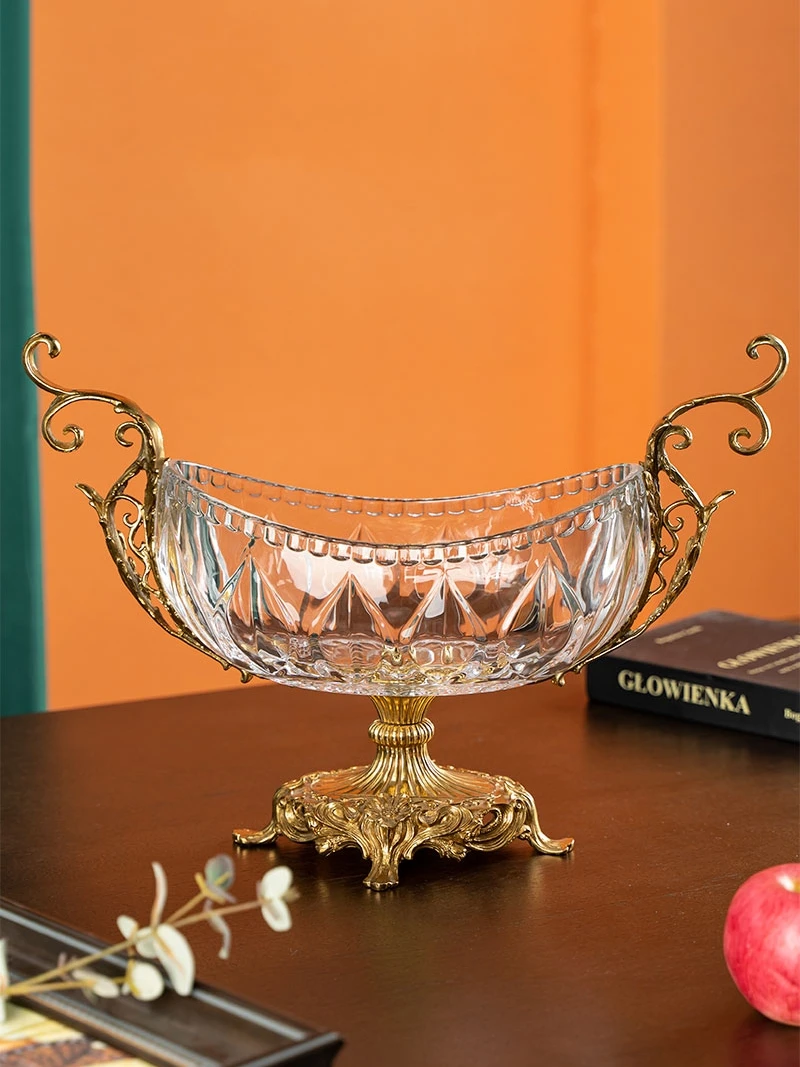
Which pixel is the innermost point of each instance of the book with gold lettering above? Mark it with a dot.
(717, 668)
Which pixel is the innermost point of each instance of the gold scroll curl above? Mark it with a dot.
(127, 518)
(668, 520)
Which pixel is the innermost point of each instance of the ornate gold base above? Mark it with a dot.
(403, 801)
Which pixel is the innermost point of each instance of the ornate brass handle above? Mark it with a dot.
(667, 521)
(125, 514)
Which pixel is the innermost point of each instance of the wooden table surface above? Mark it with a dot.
(610, 956)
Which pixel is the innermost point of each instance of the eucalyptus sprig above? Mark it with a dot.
(161, 939)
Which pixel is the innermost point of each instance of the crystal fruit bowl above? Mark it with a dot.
(403, 600)
(402, 597)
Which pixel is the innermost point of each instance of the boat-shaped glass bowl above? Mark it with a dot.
(403, 600)
(403, 597)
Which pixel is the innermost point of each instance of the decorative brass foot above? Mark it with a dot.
(403, 801)
(251, 838)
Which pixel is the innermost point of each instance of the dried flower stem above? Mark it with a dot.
(187, 907)
(204, 894)
(229, 909)
(160, 939)
(34, 984)
(65, 968)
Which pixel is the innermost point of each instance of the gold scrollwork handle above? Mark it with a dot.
(667, 521)
(127, 520)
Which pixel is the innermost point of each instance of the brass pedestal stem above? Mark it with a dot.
(403, 801)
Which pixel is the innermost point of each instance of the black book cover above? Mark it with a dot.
(717, 668)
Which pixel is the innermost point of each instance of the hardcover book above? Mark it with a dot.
(717, 668)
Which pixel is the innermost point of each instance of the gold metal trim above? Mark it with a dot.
(127, 519)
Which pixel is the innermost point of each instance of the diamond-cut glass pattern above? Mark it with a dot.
(402, 597)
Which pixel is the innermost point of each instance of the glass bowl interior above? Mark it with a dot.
(398, 596)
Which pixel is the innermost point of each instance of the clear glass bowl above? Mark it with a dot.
(402, 597)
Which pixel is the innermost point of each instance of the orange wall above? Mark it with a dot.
(731, 186)
(408, 248)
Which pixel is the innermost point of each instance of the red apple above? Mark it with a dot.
(762, 942)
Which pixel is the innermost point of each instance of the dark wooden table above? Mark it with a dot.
(610, 956)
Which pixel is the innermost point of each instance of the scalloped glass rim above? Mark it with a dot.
(631, 472)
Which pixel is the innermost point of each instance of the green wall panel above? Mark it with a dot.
(22, 667)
